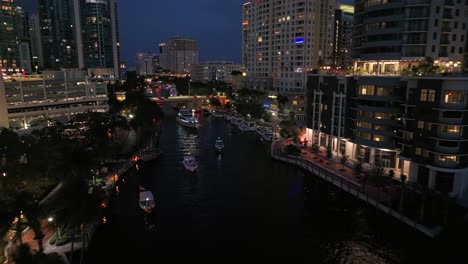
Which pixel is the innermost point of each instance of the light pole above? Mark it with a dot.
(189, 81)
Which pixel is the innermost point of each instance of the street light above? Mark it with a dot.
(50, 219)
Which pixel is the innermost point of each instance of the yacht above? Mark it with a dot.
(146, 200)
(190, 163)
(185, 118)
(247, 126)
(219, 145)
(236, 120)
(218, 114)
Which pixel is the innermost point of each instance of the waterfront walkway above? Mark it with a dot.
(381, 197)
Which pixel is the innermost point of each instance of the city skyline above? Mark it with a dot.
(157, 22)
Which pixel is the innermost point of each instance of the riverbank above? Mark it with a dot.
(346, 180)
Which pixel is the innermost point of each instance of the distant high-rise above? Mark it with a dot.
(284, 39)
(144, 63)
(213, 71)
(9, 38)
(179, 55)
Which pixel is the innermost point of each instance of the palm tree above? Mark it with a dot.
(402, 193)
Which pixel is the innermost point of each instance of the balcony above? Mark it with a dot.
(446, 135)
(447, 150)
(450, 120)
(445, 163)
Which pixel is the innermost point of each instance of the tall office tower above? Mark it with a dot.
(58, 35)
(144, 63)
(9, 51)
(284, 39)
(100, 39)
(179, 55)
(342, 45)
(391, 37)
(36, 44)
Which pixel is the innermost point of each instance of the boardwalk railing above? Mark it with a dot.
(354, 188)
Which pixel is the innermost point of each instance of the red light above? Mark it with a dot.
(450, 93)
(154, 119)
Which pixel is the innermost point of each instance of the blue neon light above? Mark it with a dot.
(299, 40)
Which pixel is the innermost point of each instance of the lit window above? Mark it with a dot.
(417, 151)
(447, 158)
(454, 97)
(451, 129)
(421, 124)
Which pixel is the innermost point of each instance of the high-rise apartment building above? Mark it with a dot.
(284, 39)
(58, 34)
(99, 27)
(342, 44)
(179, 55)
(37, 57)
(24, 39)
(400, 111)
(389, 37)
(80, 34)
(9, 38)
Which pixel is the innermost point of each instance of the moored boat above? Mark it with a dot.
(190, 163)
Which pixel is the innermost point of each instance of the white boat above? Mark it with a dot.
(190, 163)
(217, 113)
(236, 120)
(267, 136)
(247, 126)
(219, 145)
(185, 118)
(146, 200)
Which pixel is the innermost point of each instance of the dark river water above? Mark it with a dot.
(242, 207)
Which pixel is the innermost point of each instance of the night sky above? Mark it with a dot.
(216, 24)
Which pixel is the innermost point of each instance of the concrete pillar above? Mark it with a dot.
(432, 179)
(372, 156)
(4, 123)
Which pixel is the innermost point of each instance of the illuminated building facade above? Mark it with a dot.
(284, 39)
(32, 101)
(179, 55)
(9, 38)
(389, 37)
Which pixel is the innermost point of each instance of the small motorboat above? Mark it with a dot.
(219, 145)
(190, 163)
(146, 200)
(149, 154)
